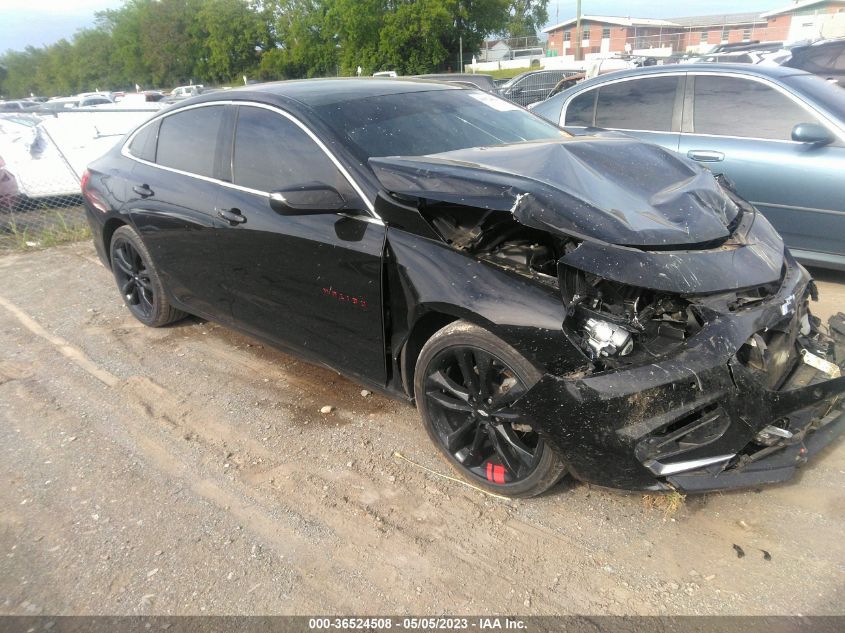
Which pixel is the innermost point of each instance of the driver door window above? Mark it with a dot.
(272, 153)
(756, 110)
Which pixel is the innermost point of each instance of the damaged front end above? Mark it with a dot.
(702, 367)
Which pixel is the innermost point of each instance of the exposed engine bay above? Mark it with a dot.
(607, 316)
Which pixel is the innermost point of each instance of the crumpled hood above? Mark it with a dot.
(614, 189)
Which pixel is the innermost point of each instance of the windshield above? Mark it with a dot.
(825, 94)
(420, 123)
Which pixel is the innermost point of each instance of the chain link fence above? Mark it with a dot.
(42, 158)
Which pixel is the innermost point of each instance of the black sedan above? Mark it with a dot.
(552, 304)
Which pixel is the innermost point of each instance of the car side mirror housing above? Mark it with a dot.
(310, 198)
(812, 133)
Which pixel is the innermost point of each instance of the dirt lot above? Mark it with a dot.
(188, 470)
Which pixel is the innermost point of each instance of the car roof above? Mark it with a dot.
(772, 72)
(833, 42)
(319, 92)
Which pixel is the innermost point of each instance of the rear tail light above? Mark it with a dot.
(91, 195)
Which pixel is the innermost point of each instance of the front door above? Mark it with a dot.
(742, 128)
(310, 282)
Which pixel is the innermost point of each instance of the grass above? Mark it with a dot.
(57, 230)
(505, 73)
(670, 503)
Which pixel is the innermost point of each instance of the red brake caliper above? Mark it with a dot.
(496, 473)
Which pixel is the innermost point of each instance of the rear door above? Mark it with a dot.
(172, 202)
(742, 126)
(649, 108)
(310, 282)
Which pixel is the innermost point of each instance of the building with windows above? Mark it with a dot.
(603, 35)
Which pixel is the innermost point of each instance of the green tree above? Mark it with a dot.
(303, 38)
(90, 60)
(125, 26)
(170, 54)
(160, 43)
(234, 37)
(527, 17)
(411, 39)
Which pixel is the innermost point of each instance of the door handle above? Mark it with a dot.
(706, 156)
(231, 215)
(143, 190)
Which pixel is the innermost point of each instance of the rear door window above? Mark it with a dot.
(733, 106)
(638, 104)
(187, 140)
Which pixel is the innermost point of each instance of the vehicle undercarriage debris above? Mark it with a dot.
(703, 366)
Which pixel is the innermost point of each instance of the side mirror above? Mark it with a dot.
(309, 198)
(812, 133)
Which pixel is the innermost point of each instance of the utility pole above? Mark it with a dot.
(461, 52)
(578, 30)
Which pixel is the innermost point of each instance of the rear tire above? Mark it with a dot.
(465, 380)
(138, 280)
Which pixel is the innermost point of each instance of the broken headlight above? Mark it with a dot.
(613, 320)
(607, 339)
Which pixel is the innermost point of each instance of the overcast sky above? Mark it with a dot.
(40, 22)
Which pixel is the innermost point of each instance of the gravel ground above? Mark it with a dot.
(189, 470)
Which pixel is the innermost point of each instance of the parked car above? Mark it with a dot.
(744, 53)
(17, 106)
(149, 99)
(777, 133)
(471, 80)
(532, 86)
(88, 100)
(184, 92)
(592, 305)
(9, 191)
(825, 58)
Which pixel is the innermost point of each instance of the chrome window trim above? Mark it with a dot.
(832, 125)
(124, 150)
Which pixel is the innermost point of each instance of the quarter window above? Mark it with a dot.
(273, 153)
(187, 140)
(755, 109)
(579, 112)
(143, 146)
(639, 104)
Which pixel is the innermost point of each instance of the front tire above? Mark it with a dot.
(138, 281)
(464, 383)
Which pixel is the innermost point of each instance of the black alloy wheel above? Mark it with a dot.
(138, 280)
(133, 279)
(465, 392)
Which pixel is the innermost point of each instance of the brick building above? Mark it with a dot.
(603, 35)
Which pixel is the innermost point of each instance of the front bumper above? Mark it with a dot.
(693, 421)
(774, 468)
